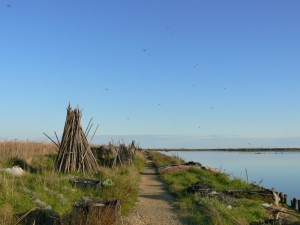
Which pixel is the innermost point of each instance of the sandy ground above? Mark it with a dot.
(154, 205)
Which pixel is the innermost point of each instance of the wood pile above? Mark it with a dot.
(75, 154)
(112, 155)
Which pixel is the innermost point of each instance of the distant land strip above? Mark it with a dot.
(227, 149)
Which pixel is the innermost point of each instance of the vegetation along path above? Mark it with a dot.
(155, 203)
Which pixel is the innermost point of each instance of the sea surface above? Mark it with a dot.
(279, 170)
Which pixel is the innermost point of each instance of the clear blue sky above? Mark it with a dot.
(169, 73)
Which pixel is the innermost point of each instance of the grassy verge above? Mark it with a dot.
(223, 209)
(42, 186)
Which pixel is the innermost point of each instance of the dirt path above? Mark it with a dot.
(155, 204)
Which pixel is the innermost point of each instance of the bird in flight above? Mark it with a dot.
(146, 51)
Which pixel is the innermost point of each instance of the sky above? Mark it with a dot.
(167, 73)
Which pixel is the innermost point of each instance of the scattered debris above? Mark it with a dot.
(39, 216)
(91, 211)
(266, 205)
(107, 182)
(15, 171)
(192, 163)
(198, 186)
(86, 183)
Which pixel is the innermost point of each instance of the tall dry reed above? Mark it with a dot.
(24, 149)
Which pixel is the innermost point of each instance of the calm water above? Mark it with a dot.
(275, 169)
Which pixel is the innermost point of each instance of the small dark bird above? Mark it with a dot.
(106, 89)
(8, 6)
(146, 51)
(211, 108)
(195, 66)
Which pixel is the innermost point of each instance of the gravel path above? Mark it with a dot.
(154, 205)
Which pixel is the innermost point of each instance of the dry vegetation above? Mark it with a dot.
(25, 150)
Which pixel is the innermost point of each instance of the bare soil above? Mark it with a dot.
(155, 204)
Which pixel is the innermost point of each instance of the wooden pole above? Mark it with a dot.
(51, 140)
(281, 197)
(285, 199)
(294, 203)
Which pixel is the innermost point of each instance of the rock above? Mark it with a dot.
(15, 171)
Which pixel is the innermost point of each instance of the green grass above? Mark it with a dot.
(196, 209)
(164, 160)
(19, 194)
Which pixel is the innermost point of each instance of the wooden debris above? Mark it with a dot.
(86, 183)
(112, 155)
(96, 212)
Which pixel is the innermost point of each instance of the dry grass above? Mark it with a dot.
(25, 150)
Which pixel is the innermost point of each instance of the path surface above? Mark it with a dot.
(155, 204)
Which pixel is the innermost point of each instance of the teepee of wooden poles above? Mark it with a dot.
(75, 154)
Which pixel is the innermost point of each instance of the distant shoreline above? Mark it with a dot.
(228, 149)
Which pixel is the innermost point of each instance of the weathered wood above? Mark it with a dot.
(95, 212)
(40, 216)
(86, 183)
(51, 140)
(281, 197)
(57, 138)
(285, 199)
(75, 154)
(294, 203)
